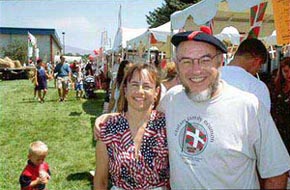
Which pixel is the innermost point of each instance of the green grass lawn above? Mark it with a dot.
(65, 127)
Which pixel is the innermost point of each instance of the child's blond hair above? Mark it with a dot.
(38, 148)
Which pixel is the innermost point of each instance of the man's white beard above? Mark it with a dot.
(206, 94)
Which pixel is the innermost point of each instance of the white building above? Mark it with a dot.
(48, 42)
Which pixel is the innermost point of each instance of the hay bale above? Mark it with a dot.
(7, 59)
(3, 64)
(17, 64)
(10, 62)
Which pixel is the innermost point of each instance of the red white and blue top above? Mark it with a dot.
(148, 169)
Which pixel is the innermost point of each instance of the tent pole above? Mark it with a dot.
(171, 47)
(149, 45)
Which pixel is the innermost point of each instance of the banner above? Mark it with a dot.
(32, 39)
(256, 19)
(30, 51)
(36, 53)
(281, 10)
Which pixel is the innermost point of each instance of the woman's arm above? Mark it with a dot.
(101, 176)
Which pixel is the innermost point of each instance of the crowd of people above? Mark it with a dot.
(194, 124)
(66, 76)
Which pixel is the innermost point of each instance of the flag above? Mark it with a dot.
(30, 51)
(152, 39)
(36, 52)
(210, 24)
(195, 139)
(256, 19)
(32, 39)
(104, 38)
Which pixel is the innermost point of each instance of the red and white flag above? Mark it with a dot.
(256, 19)
(210, 24)
(195, 139)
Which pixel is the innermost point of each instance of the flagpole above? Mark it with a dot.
(28, 49)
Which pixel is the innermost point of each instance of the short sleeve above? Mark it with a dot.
(24, 181)
(263, 94)
(272, 156)
(110, 129)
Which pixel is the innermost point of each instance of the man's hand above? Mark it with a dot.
(101, 120)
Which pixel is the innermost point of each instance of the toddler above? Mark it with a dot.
(79, 82)
(36, 173)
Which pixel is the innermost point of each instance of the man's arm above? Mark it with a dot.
(69, 73)
(100, 121)
(35, 75)
(272, 156)
(262, 93)
(277, 182)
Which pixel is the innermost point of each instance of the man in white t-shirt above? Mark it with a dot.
(248, 59)
(218, 136)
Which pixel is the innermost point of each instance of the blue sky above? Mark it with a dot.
(83, 21)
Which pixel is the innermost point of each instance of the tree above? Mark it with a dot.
(161, 15)
(69, 54)
(16, 50)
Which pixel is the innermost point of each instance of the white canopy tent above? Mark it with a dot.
(154, 39)
(205, 10)
(160, 34)
(230, 34)
(123, 35)
(272, 39)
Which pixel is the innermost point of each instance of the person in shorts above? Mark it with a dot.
(63, 77)
(79, 78)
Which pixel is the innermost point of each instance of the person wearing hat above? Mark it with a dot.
(219, 137)
(240, 72)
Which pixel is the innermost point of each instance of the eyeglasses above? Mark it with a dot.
(136, 86)
(204, 61)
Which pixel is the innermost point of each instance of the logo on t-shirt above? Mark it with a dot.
(193, 138)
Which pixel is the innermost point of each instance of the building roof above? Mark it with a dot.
(33, 31)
